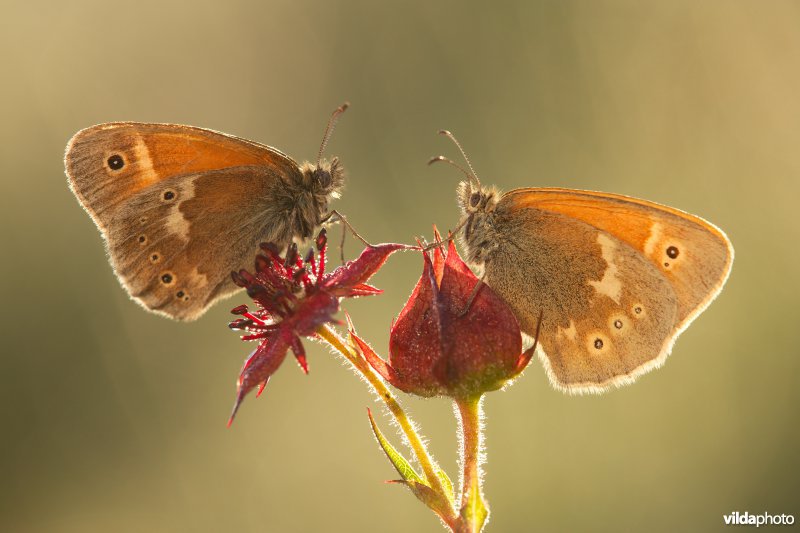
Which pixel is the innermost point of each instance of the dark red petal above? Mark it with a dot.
(358, 271)
(300, 354)
(261, 364)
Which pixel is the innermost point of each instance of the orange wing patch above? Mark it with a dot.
(110, 163)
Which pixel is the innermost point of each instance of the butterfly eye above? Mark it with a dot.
(115, 162)
(475, 199)
(323, 177)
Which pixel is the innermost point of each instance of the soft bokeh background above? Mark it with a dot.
(114, 419)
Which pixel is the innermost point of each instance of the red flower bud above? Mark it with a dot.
(449, 340)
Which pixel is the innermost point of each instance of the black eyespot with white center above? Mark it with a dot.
(618, 323)
(598, 343)
(154, 258)
(169, 195)
(115, 162)
(167, 278)
(672, 252)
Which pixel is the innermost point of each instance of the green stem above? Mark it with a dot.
(425, 461)
(474, 510)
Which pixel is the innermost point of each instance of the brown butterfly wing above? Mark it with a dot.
(174, 245)
(150, 153)
(693, 254)
(611, 309)
(224, 195)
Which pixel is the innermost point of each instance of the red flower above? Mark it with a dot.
(295, 297)
(443, 344)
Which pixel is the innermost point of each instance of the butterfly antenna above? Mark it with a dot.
(329, 130)
(463, 153)
(451, 162)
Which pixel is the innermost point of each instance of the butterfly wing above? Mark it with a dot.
(694, 255)
(179, 207)
(173, 253)
(109, 163)
(617, 279)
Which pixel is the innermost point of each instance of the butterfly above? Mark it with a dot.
(610, 280)
(180, 207)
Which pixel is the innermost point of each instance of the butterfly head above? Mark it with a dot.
(473, 198)
(324, 179)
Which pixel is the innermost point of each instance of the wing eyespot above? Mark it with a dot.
(155, 258)
(167, 278)
(598, 343)
(115, 162)
(169, 195)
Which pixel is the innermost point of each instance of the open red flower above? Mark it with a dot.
(294, 298)
(448, 339)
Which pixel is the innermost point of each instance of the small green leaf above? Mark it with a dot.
(400, 463)
(434, 500)
(446, 484)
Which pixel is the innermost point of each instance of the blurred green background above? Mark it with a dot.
(113, 419)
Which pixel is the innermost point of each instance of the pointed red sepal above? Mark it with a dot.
(381, 367)
(358, 271)
(525, 358)
(361, 289)
(438, 256)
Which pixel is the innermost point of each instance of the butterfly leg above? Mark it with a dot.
(472, 295)
(340, 218)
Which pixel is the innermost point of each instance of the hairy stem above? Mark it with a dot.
(474, 511)
(425, 461)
